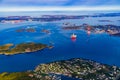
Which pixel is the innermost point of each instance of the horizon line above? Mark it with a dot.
(60, 8)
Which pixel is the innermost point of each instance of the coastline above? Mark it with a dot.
(73, 68)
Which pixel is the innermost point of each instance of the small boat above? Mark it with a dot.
(50, 47)
(73, 36)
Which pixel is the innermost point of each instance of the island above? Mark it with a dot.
(117, 34)
(81, 69)
(11, 49)
(28, 29)
(45, 31)
(104, 20)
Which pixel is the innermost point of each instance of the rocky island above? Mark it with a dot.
(75, 68)
(117, 34)
(11, 49)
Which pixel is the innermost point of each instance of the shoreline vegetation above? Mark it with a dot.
(11, 49)
(78, 68)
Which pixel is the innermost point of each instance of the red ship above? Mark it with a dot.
(73, 36)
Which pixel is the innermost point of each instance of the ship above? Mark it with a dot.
(73, 36)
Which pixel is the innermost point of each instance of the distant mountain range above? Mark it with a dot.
(56, 17)
(106, 15)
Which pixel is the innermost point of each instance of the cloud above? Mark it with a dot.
(95, 2)
(34, 2)
(70, 8)
(58, 2)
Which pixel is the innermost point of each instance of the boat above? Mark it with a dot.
(73, 36)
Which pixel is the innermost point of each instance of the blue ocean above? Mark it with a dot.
(102, 48)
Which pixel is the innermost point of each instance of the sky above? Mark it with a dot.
(58, 2)
(58, 5)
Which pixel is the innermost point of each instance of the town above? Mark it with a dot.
(81, 69)
(96, 29)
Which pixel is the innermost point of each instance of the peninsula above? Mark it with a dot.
(81, 69)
